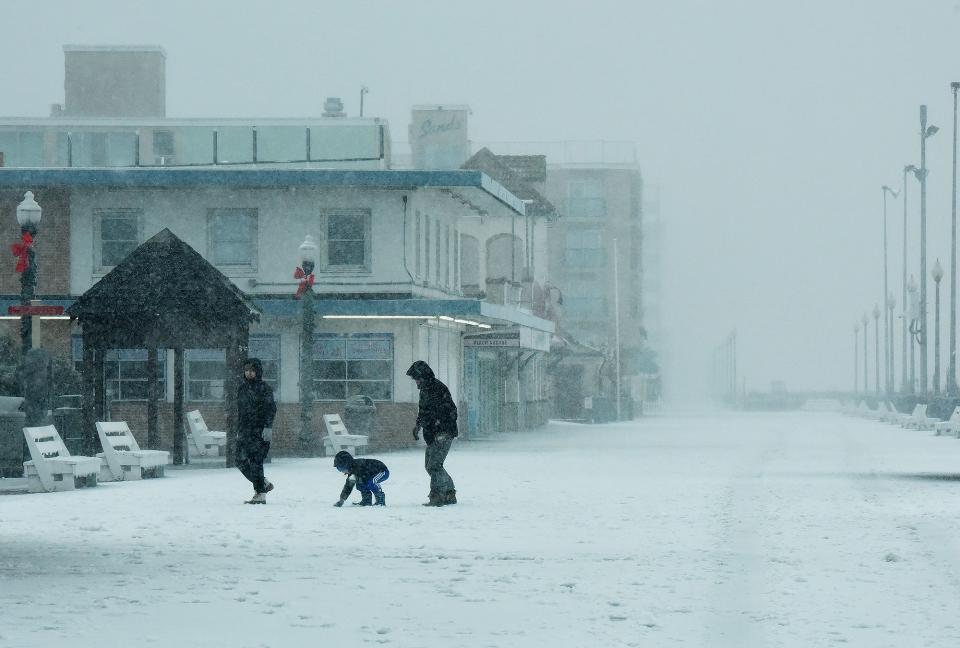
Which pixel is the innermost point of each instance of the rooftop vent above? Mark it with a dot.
(333, 107)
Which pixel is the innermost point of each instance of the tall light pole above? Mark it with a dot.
(952, 366)
(363, 90)
(866, 382)
(304, 272)
(28, 216)
(856, 358)
(888, 374)
(616, 319)
(891, 304)
(937, 274)
(876, 341)
(925, 132)
(905, 387)
(913, 318)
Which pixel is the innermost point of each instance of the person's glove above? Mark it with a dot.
(416, 433)
(268, 434)
(338, 503)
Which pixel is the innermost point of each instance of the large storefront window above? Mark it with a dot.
(348, 365)
(206, 368)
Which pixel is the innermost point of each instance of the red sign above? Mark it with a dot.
(35, 310)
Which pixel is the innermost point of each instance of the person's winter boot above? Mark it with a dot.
(268, 487)
(450, 497)
(381, 498)
(366, 499)
(434, 499)
(259, 498)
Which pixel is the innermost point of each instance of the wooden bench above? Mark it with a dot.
(51, 466)
(202, 441)
(338, 438)
(122, 457)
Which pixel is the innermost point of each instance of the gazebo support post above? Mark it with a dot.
(153, 437)
(178, 406)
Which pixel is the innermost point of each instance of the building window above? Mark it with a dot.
(345, 366)
(125, 372)
(346, 240)
(446, 255)
(584, 249)
(117, 235)
(205, 369)
(232, 238)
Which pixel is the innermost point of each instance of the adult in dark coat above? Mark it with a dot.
(437, 419)
(255, 412)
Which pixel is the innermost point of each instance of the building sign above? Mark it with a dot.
(522, 338)
(36, 309)
(513, 342)
(438, 137)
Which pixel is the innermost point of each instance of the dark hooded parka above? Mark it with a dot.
(255, 408)
(438, 413)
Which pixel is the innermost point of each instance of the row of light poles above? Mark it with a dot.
(914, 324)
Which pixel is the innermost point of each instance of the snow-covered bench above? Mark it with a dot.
(919, 420)
(122, 457)
(51, 466)
(338, 438)
(895, 416)
(951, 426)
(202, 441)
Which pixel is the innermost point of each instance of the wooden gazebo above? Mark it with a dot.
(163, 295)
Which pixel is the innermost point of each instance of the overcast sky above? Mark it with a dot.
(769, 126)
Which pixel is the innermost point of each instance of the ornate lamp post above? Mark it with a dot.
(876, 341)
(891, 304)
(28, 215)
(925, 132)
(915, 332)
(905, 387)
(937, 274)
(864, 321)
(856, 359)
(304, 272)
(887, 375)
(952, 367)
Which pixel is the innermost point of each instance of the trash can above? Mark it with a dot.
(359, 414)
(69, 423)
(12, 446)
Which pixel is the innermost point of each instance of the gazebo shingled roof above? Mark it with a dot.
(164, 294)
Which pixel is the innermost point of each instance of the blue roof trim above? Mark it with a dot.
(21, 178)
(460, 308)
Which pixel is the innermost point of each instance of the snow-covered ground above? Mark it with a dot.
(797, 529)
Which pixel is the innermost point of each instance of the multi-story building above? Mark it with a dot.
(406, 257)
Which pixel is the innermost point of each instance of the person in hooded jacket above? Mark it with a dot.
(437, 418)
(255, 411)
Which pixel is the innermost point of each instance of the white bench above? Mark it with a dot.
(919, 420)
(51, 466)
(338, 438)
(202, 441)
(951, 426)
(122, 457)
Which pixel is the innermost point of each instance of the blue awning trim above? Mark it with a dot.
(34, 178)
(471, 309)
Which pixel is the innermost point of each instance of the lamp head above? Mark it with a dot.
(892, 192)
(955, 85)
(28, 212)
(910, 169)
(930, 132)
(876, 311)
(308, 253)
(937, 271)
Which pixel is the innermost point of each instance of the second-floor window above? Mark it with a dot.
(584, 249)
(346, 240)
(233, 238)
(117, 235)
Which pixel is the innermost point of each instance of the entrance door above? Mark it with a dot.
(491, 392)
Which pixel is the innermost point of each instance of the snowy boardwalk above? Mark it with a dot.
(743, 530)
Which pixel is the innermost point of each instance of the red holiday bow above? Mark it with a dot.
(305, 283)
(22, 251)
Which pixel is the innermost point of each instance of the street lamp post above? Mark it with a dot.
(876, 341)
(906, 387)
(914, 314)
(937, 274)
(856, 356)
(363, 90)
(888, 374)
(952, 367)
(304, 272)
(866, 382)
(891, 304)
(28, 216)
(925, 132)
